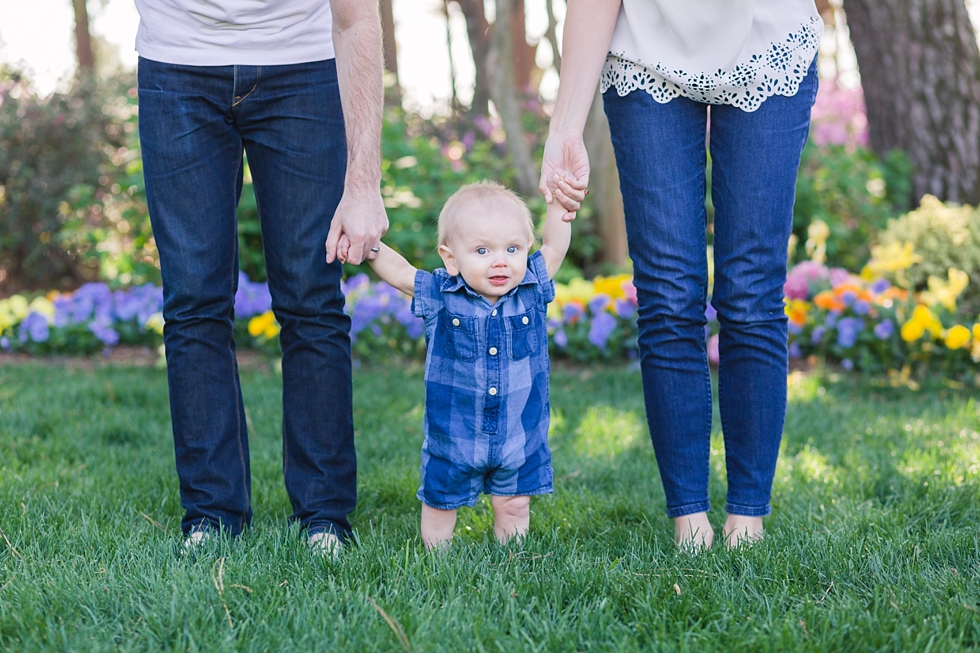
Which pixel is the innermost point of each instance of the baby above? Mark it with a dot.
(486, 368)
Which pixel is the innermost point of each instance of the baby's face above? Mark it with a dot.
(489, 252)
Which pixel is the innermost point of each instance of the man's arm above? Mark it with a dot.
(555, 239)
(360, 219)
(394, 269)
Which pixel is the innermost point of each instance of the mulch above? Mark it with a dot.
(122, 356)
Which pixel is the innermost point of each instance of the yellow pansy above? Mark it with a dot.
(957, 337)
(976, 332)
(892, 258)
(155, 323)
(922, 320)
(12, 310)
(912, 331)
(945, 293)
(43, 306)
(611, 286)
(263, 325)
(816, 243)
(797, 310)
(576, 290)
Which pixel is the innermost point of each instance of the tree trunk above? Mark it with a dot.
(920, 71)
(501, 64)
(523, 52)
(478, 30)
(83, 39)
(390, 48)
(551, 35)
(606, 199)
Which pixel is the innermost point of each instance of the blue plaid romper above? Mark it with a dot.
(486, 388)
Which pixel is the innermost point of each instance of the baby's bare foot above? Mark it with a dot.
(741, 530)
(693, 532)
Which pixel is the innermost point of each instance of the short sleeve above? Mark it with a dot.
(540, 271)
(428, 296)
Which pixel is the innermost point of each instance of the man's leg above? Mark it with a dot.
(293, 128)
(192, 167)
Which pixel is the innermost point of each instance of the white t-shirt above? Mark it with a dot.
(736, 52)
(230, 32)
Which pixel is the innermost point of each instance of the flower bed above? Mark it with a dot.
(868, 321)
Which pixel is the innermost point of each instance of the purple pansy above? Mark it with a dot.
(601, 328)
(561, 338)
(884, 329)
(599, 303)
(847, 331)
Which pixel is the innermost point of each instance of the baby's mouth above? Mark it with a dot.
(499, 280)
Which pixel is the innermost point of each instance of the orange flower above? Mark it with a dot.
(797, 311)
(827, 301)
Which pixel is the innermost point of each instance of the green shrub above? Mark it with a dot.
(852, 191)
(424, 161)
(945, 236)
(71, 186)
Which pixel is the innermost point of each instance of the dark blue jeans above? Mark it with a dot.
(195, 123)
(660, 153)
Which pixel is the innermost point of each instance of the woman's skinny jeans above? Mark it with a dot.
(660, 153)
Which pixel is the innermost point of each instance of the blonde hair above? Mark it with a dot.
(489, 196)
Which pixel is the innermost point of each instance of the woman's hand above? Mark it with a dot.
(565, 172)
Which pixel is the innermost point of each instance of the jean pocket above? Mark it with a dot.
(458, 335)
(523, 335)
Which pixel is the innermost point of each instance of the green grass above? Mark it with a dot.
(873, 545)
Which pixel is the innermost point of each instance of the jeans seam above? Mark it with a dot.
(242, 98)
(239, 407)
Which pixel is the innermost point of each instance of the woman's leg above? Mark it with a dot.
(755, 157)
(660, 153)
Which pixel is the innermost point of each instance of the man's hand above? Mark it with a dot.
(360, 219)
(358, 224)
(565, 172)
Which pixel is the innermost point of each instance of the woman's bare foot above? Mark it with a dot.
(740, 530)
(693, 532)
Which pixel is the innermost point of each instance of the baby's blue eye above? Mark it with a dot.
(481, 250)
(512, 249)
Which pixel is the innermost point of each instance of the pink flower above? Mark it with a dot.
(838, 277)
(713, 349)
(802, 276)
(630, 291)
(839, 116)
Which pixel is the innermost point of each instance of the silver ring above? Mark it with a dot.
(375, 249)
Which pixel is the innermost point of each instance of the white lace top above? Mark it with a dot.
(736, 52)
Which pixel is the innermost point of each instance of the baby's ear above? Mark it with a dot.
(448, 260)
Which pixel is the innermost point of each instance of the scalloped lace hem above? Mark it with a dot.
(778, 71)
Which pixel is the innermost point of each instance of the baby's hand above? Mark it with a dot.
(569, 192)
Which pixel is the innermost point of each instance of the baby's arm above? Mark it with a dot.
(394, 269)
(555, 239)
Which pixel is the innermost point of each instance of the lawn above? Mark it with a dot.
(874, 543)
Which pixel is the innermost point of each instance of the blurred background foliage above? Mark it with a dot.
(73, 206)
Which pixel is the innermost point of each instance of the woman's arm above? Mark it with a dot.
(555, 239)
(585, 42)
(394, 269)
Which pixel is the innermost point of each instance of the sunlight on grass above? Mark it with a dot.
(868, 547)
(807, 466)
(605, 432)
(804, 388)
